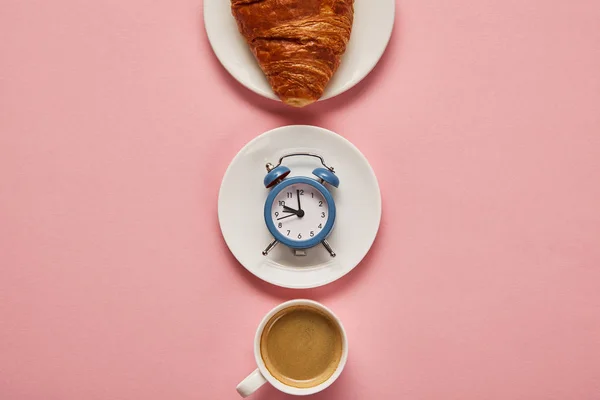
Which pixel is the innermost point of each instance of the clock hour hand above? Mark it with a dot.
(299, 213)
(289, 210)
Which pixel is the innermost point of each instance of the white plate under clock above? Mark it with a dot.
(371, 32)
(242, 197)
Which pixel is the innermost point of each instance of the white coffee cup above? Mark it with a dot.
(261, 375)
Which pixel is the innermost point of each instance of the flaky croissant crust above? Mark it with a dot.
(298, 43)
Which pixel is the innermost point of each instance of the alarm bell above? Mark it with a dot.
(275, 175)
(327, 176)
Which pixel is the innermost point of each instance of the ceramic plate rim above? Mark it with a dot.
(344, 271)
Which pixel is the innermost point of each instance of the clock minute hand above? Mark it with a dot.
(298, 196)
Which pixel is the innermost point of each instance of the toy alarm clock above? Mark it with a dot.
(300, 211)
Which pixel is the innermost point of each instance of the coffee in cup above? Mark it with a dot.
(301, 346)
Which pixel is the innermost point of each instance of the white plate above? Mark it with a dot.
(242, 197)
(373, 22)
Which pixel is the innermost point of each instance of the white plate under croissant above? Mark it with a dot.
(371, 31)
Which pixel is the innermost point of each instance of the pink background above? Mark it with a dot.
(117, 123)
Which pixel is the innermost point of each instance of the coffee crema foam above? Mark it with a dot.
(301, 346)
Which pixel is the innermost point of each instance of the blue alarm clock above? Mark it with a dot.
(300, 211)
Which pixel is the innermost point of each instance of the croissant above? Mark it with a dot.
(298, 43)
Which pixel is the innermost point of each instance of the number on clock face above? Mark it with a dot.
(299, 212)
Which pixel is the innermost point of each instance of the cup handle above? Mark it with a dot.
(251, 384)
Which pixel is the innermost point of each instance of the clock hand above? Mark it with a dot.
(298, 195)
(287, 216)
(289, 209)
(299, 213)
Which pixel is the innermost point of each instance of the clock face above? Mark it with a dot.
(299, 212)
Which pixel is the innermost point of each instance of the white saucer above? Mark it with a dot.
(373, 22)
(242, 197)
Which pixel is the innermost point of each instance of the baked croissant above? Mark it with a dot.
(298, 43)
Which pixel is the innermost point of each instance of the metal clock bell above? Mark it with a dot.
(300, 211)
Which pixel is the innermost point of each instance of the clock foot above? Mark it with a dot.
(328, 247)
(299, 253)
(270, 247)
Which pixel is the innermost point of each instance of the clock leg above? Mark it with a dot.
(270, 247)
(328, 247)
